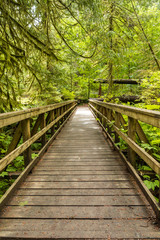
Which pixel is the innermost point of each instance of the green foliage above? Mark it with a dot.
(67, 95)
(150, 90)
(36, 146)
(5, 140)
(151, 185)
(16, 165)
(4, 184)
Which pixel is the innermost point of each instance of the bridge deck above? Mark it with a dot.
(80, 189)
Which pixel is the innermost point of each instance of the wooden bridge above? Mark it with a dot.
(80, 186)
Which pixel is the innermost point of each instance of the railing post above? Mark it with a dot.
(132, 135)
(117, 123)
(58, 114)
(109, 116)
(99, 109)
(52, 118)
(103, 119)
(43, 124)
(26, 133)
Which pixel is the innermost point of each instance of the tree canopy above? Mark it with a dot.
(53, 50)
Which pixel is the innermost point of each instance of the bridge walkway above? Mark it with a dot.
(80, 189)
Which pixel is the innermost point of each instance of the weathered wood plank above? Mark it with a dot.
(88, 168)
(75, 192)
(76, 163)
(80, 178)
(105, 185)
(80, 172)
(76, 201)
(80, 212)
(43, 228)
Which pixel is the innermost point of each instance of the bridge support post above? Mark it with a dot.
(117, 123)
(103, 119)
(101, 111)
(26, 135)
(52, 118)
(110, 119)
(58, 114)
(132, 135)
(43, 124)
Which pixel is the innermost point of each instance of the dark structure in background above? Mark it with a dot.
(123, 98)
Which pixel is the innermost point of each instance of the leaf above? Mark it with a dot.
(148, 184)
(34, 155)
(155, 141)
(146, 177)
(3, 174)
(11, 169)
(23, 203)
(146, 168)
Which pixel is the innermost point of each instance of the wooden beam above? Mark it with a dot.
(118, 81)
(16, 139)
(26, 133)
(148, 116)
(132, 135)
(17, 116)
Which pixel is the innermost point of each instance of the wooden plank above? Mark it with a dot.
(76, 201)
(83, 168)
(84, 229)
(86, 185)
(79, 172)
(75, 163)
(77, 178)
(83, 156)
(74, 212)
(81, 159)
(75, 192)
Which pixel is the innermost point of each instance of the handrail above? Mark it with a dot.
(13, 117)
(111, 118)
(144, 115)
(48, 117)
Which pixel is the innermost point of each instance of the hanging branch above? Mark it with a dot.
(64, 40)
(110, 72)
(145, 36)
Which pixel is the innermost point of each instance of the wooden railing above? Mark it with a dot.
(112, 118)
(30, 126)
(43, 119)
